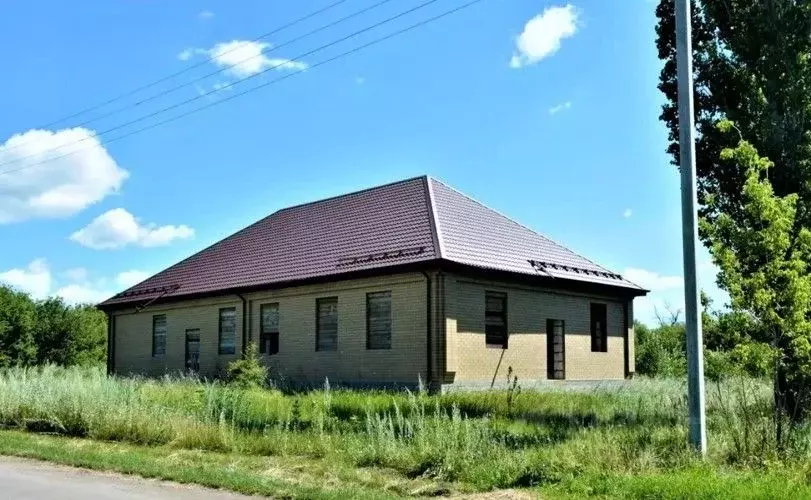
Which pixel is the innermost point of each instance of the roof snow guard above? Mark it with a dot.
(148, 291)
(392, 254)
(415, 221)
(544, 267)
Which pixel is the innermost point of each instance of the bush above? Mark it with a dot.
(248, 372)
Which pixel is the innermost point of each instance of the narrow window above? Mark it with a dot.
(158, 335)
(326, 328)
(269, 334)
(228, 331)
(495, 320)
(555, 349)
(378, 320)
(599, 335)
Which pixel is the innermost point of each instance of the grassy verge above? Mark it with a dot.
(247, 474)
(613, 443)
(314, 479)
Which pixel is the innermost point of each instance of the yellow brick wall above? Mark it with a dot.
(459, 347)
(352, 362)
(631, 340)
(133, 337)
(527, 311)
(297, 359)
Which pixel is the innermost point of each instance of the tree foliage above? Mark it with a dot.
(249, 371)
(764, 254)
(751, 66)
(752, 63)
(49, 331)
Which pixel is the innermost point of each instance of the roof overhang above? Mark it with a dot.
(558, 284)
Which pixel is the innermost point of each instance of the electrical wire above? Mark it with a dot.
(193, 66)
(231, 66)
(228, 86)
(266, 84)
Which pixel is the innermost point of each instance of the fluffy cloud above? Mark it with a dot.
(34, 279)
(560, 107)
(667, 291)
(118, 228)
(74, 285)
(243, 58)
(651, 280)
(186, 54)
(61, 186)
(127, 279)
(77, 274)
(543, 34)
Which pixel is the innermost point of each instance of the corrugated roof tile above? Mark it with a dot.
(403, 222)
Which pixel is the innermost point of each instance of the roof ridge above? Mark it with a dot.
(353, 193)
(434, 219)
(510, 219)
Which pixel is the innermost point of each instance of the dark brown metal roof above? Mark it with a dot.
(406, 222)
(473, 234)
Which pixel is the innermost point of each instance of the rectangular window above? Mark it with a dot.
(378, 320)
(326, 328)
(269, 333)
(599, 329)
(228, 331)
(495, 320)
(555, 349)
(158, 335)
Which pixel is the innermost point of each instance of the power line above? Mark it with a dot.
(193, 66)
(266, 84)
(226, 68)
(230, 85)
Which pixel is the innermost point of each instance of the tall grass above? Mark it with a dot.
(484, 439)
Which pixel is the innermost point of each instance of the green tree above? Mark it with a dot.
(17, 319)
(752, 63)
(90, 339)
(69, 335)
(764, 251)
(249, 371)
(751, 66)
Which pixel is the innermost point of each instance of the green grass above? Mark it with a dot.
(605, 442)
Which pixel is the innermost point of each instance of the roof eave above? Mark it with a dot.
(413, 266)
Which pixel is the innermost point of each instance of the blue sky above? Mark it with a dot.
(546, 111)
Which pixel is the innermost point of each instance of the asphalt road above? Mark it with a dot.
(31, 480)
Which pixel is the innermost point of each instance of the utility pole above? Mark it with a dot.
(689, 216)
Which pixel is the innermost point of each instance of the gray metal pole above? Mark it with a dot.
(689, 216)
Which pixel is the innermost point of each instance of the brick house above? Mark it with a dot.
(387, 286)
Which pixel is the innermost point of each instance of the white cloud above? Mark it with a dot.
(40, 183)
(627, 213)
(543, 34)
(560, 107)
(186, 54)
(75, 286)
(83, 294)
(118, 228)
(243, 58)
(667, 291)
(205, 15)
(127, 279)
(222, 86)
(651, 280)
(76, 275)
(34, 279)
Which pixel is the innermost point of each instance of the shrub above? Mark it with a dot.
(248, 372)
